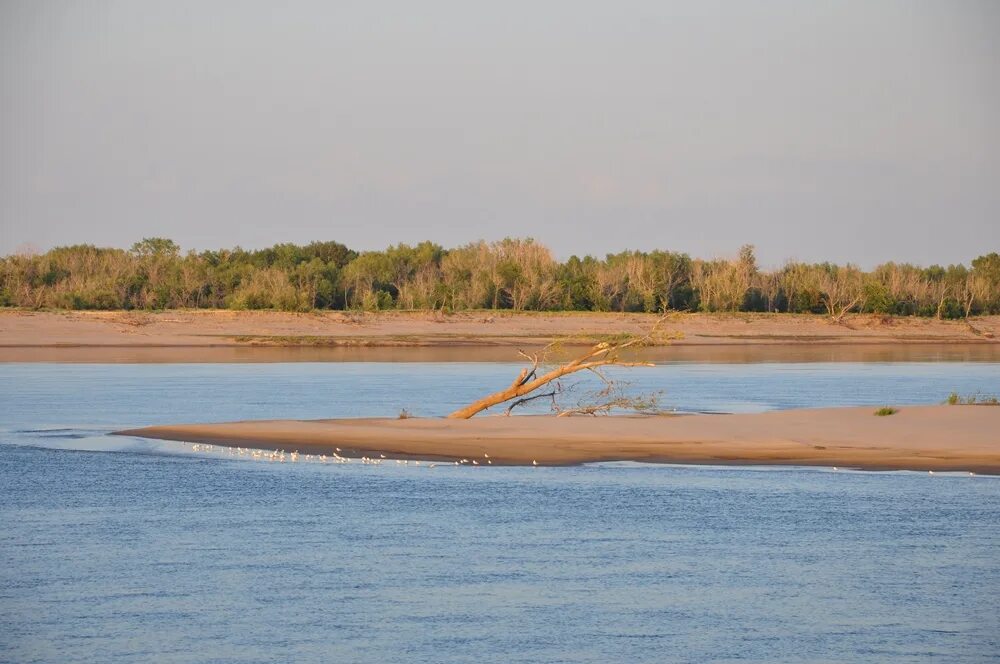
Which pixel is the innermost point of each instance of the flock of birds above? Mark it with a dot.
(280, 456)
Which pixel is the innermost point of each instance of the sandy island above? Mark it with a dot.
(944, 438)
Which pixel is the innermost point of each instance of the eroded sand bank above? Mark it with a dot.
(27, 336)
(961, 438)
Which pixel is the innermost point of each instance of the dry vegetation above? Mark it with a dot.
(511, 274)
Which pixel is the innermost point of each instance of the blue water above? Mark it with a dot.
(121, 550)
(121, 395)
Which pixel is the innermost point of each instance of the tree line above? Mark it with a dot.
(517, 274)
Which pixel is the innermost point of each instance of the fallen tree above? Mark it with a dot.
(529, 381)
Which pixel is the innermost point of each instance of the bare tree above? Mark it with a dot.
(528, 382)
(610, 285)
(842, 288)
(769, 285)
(723, 284)
(939, 291)
(975, 290)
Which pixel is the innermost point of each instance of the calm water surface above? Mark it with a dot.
(116, 395)
(129, 550)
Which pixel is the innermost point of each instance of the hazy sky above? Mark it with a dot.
(863, 131)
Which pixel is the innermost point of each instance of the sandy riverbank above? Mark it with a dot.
(958, 438)
(86, 336)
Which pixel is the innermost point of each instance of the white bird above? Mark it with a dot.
(534, 463)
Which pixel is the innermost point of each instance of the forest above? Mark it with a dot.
(515, 274)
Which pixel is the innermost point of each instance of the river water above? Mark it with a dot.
(125, 550)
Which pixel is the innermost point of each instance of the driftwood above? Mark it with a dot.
(528, 381)
(602, 408)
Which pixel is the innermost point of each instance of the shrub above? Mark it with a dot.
(886, 410)
(977, 399)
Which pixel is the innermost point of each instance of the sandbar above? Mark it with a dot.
(923, 438)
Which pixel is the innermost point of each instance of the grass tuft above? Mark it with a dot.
(977, 399)
(886, 410)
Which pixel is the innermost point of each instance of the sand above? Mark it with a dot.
(197, 335)
(939, 438)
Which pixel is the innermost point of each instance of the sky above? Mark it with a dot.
(850, 131)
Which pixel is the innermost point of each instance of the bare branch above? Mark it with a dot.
(606, 407)
(600, 355)
(533, 372)
(525, 400)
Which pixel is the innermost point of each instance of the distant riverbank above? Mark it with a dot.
(217, 335)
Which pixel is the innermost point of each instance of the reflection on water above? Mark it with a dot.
(723, 353)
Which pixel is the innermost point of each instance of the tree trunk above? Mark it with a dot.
(602, 354)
